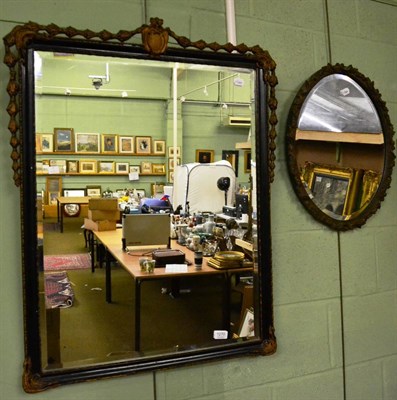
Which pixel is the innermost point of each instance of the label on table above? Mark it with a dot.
(170, 268)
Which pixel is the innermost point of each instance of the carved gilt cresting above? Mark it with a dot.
(155, 41)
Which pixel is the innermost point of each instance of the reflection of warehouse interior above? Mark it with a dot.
(116, 154)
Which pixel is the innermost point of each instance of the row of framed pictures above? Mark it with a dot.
(56, 166)
(65, 140)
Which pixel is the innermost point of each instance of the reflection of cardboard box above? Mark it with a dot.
(103, 204)
(98, 215)
(99, 225)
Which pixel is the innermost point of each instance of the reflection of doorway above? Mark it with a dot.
(232, 157)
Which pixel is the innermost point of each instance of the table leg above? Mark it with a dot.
(108, 278)
(92, 249)
(226, 302)
(60, 211)
(137, 314)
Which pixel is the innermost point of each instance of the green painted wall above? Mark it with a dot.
(307, 285)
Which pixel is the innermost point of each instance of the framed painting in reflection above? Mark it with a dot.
(232, 157)
(126, 144)
(332, 188)
(44, 143)
(63, 139)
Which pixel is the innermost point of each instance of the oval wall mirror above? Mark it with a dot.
(94, 113)
(340, 147)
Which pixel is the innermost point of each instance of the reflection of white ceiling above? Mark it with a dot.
(338, 104)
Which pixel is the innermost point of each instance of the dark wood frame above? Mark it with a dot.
(57, 133)
(360, 217)
(20, 45)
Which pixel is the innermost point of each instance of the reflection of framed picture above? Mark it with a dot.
(106, 167)
(146, 167)
(171, 176)
(52, 197)
(93, 191)
(57, 166)
(159, 146)
(109, 143)
(174, 150)
(44, 143)
(247, 161)
(247, 324)
(204, 156)
(158, 168)
(87, 142)
(171, 165)
(143, 145)
(157, 188)
(64, 139)
(74, 192)
(135, 169)
(72, 166)
(370, 183)
(331, 188)
(53, 184)
(232, 157)
(126, 144)
(122, 167)
(87, 167)
(140, 192)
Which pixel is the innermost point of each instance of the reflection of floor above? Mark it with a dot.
(93, 331)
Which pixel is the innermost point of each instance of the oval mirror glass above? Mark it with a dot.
(340, 147)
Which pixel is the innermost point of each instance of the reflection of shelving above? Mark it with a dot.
(341, 137)
(96, 174)
(83, 154)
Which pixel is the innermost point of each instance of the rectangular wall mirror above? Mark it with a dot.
(105, 117)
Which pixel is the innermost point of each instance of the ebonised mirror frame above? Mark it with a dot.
(301, 162)
(20, 45)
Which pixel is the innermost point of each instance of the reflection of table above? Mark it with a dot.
(112, 243)
(62, 201)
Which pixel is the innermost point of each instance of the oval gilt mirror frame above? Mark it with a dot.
(22, 45)
(339, 147)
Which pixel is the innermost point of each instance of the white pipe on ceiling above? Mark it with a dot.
(230, 22)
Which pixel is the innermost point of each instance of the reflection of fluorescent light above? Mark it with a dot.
(345, 91)
(321, 122)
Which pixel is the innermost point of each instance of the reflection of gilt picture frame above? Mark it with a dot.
(106, 167)
(232, 157)
(126, 144)
(146, 167)
(122, 167)
(370, 183)
(331, 188)
(109, 143)
(72, 166)
(247, 161)
(159, 147)
(143, 145)
(87, 167)
(94, 191)
(87, 142)
(174, 150)
(64, 139)
(247, 324)
(205, 156)
(44, 143)
(158, 168)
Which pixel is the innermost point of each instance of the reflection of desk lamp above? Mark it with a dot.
(224, 184)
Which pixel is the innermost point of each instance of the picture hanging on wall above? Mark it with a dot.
(135, 169)
(87, 142)
(122, 167)
(171, 176)
(143, 145)
(44, 143)
(232, 157)
(158, 168)
(204, 156)
(159, 146)
(64, 139)
(146, 167)
(87, 167)
(106, 167)
(247, 161)
(72, 166)
(171, 163)
(174, 150)
(109, 143)
(126, 144)
(94, 191)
